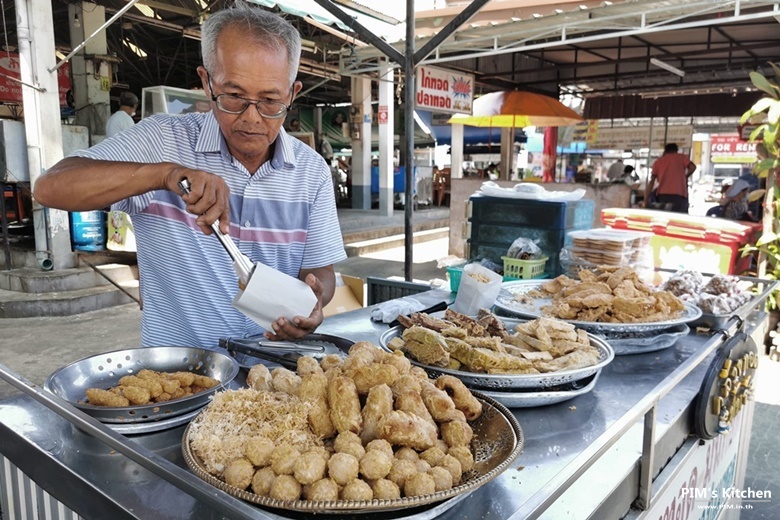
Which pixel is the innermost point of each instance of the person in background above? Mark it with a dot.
(671, 172)
(736, 207)
(295, 125)
(615, 172)
(269, 191)
(122, 119)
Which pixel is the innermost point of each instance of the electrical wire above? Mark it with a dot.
(5, 29)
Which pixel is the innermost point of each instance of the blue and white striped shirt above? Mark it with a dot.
(283, 216)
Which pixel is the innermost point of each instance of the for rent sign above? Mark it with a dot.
(730, 148)
(440, 90)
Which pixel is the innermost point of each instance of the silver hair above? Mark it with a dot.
(261, 26)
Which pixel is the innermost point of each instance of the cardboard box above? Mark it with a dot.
(349, 295)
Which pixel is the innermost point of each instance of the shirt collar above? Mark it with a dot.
(211, 140)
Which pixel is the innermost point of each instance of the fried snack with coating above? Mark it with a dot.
(259, 378)
(442, 478)
(440, 404)
(344, 438)
(204, 382)
(426, 346)
(308, 365)
(406, 453)
(461, 396)
(152, 385)
(456, 433)
(583, 357)
(258, 451)
(323, 489)
(185, 378)
(285, 487)
(310, 467)
(262, 481)
(455, 332)
(378, 403)
(285, 381)
(490, 343)
(375, 464)
(354, 448)
(330, 361)
(398, 360)
(343, 468)
(357, 490)
(419, 373)
(137, 395)
(380, 445)
(406, 429)
(401, 470)
(385, 489)
(452, 465)
(419, 484)
(314, 390)
(406, 383)
(432, 455)
(412, 402)
(464, 456)
(482, 360)
(468, 323)
(100, 397)
(367, 377)
(493, 325)
(422, 319)
(344, 405)
(239, 473)
(283, 459)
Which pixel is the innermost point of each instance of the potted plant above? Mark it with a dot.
(766, 113)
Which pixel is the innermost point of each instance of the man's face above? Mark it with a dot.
(254, 72)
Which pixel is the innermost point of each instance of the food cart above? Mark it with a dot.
(634, 447)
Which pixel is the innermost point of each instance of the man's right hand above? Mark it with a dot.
(209, 197)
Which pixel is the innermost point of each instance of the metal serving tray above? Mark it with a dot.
(628, 343)
(719, 321)
(105, 370)
(533, 309)
(504, 381)
(534, 398)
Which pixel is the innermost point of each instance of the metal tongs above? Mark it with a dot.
(241, 263)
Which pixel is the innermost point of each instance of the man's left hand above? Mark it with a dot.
(287, 330)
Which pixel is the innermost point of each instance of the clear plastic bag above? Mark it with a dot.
(524, 249)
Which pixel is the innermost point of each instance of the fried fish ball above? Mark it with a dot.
(100, 397)
(309, 467)
(439, 404)
(457, 433)
(464, 456)
(285, 487)
(343, 468)
(344, 405)
(239, 473)
(357, 490)
(259, 378)
(432, 456)
(400, 471)
(461, 396)
(419, 484)
(385, 489)
(136, 395)
(308, 365)
(422, 466)
(407, 453)
(323, 489)
(152, 385)
(378, 403)
(330, 361)
(205, 381)
(442, 478)
(375, 464)
(407, 429)
(452, 465)
(381, 445)
(443, 446)
(259, 450)
(283, 459)
(407, 383)
(261, 482)
(367, 377)
(353, 448)
(285, 381)
(344, 438)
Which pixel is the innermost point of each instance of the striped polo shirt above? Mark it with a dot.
(283, 215)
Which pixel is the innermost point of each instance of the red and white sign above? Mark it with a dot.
(11, 91)
(441, 90)
(730, 148)
(382, 115)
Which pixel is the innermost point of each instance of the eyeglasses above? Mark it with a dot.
(233, 104)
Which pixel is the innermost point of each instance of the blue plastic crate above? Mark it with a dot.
(532, 213)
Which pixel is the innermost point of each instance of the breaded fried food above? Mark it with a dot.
(204, 382)
(137, 395)
(262, 481)
(357, 490)
(100, 397)
(493, 325)
(152, 384)
(310, 467)
(440, 404)
(456, 433)
(285, 487)
(283, 459)
(463, 455)
(314, 390)
(483, 360)
(452, 465)
(401, 470)
(426, 346)
(461, 396)
(343, 468)
(259, 378)
(385, 489)
(330, 361)
(185, 378)
(406, 382)
(406, 429)
(442, 478)
(344, 405)
(375, 464)
(323, 489)
(412, 402)
(378, 403)
(285, 381)
(308, 365)
(258, 451)
(366, 377)
(396, 359)
(580, 358)
(239, 473)
(419, 484)
(469, 324)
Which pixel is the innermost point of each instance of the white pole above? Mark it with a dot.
(386, 138)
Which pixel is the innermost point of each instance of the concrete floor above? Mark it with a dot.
(35, 347)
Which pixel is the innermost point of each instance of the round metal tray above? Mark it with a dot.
(629, 343)
(153, 426)
(498, 441)
(105, 370)
(531, 399)
(505, 381)
(533, 309)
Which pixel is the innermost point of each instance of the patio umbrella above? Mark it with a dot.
(517, 109)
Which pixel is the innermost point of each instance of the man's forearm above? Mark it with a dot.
(79, 184)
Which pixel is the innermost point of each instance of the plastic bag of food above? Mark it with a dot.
(524, 249)
(478, 289)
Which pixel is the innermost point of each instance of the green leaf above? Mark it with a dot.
(776, 67)
(754, 135)
(765, 165)
(774, 111)
(762, 84)
(766, 238)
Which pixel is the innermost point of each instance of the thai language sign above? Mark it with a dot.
(635, 137)
(441, 90)
(11, 91)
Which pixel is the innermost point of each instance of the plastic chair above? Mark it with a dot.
(381, 289)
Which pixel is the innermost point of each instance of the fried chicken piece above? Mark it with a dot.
(152, 385)
(137, 395)
(482, 360)
(407, 429)
(426, 346)
(461, 396)
(100, 397)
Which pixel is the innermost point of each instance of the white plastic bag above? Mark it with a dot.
(478, 289)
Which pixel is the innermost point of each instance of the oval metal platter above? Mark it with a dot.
(508, 381)
(640, 343)
(531, 399)
(507, 302)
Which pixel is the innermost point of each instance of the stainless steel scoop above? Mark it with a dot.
(241, 263)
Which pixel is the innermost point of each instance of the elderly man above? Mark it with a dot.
(269, 191)
(122, 119)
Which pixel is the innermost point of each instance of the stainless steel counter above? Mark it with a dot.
(561, 443)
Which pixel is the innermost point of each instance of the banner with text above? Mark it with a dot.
(632, 138)
(441, 90)
(730, 148)
(11, 91)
